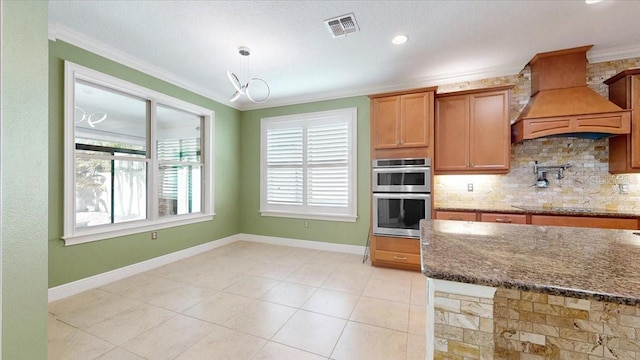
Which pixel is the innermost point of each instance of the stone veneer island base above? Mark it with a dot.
(499, 291)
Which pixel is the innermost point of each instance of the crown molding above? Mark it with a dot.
(612, 54)
(59, 32)
(427, 81)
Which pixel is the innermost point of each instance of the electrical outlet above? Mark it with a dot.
(470, 187)
(154, 235)
(306, 224)
(623, 188)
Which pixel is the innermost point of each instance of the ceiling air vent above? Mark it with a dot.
(342, 25)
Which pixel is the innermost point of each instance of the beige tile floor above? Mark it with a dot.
(247, 301)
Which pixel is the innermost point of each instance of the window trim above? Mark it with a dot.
(73, 235)
(353, 165)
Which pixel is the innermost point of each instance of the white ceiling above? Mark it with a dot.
(194, 43)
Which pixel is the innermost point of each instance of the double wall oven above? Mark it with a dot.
(401, 196)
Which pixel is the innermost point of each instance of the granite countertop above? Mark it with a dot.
(540, 210)
(599, 264)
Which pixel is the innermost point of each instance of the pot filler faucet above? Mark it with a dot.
(541, 172)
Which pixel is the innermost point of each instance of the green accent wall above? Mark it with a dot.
(24, 179)
(71, 263)
(351, 233)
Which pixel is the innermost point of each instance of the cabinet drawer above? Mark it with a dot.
(410, 246)
(586, 221)
(456, 215)
(504, 218)
(397, 257)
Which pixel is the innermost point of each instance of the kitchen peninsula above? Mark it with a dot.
(506, 291)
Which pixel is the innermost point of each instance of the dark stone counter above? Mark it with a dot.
(587, 263)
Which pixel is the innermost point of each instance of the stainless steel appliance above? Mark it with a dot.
(401, 196)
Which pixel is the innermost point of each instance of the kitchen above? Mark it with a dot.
(25, 256)
(586, 186)
(565, 181)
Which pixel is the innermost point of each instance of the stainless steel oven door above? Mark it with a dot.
(412, 179)
(399, 215)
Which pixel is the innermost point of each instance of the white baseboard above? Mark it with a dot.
(92, 282)
(307, 244)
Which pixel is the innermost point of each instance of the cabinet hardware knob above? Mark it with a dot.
(471, 165)
(398, 257)
(499, 220)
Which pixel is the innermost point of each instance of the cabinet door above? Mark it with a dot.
(414, 115)
(489, 131)
(452, 134)
(624, 150)
(386, 116)
(634, 98)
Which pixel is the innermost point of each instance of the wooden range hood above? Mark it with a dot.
(561, 103)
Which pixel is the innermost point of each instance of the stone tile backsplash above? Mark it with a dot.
(587, 184)
(531, 325)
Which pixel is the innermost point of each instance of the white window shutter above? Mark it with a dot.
(327, 164)
(308, 167)
(285, 166)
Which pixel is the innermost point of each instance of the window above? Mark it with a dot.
(308, 165)
(135, 160)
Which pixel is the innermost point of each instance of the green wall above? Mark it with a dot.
(24, 179)
(70, 263)
(326, 231)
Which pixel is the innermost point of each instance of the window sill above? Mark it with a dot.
(327, 217)
(90, 235)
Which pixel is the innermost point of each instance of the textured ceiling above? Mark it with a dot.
(194, 43)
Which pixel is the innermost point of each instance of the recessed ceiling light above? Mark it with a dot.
(399, 39)
(592, 1)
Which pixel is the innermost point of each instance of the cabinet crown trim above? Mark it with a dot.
(404, 92)
(475, 91)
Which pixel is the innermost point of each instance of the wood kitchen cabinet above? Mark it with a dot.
(456, 215)
(586, 221)
(394, 252)
(624, 150)
(402, 120)
(504, 218)
(472, 132)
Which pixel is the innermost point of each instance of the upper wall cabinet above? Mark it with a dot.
(402, 121)
(624, 150)
(472, 132)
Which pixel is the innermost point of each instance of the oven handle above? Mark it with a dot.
(418, 196)
(401, 170)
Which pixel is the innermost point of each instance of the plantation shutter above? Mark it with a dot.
(285, 150)
(328, 165)
(308, 165)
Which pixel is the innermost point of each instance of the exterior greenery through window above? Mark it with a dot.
(116, 181)
(308, 165)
